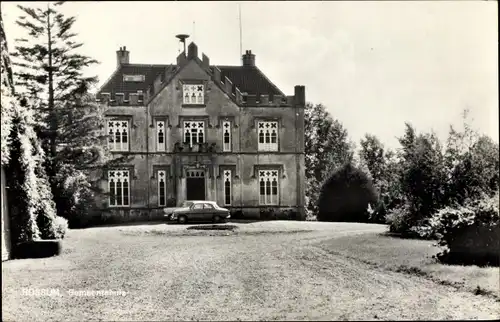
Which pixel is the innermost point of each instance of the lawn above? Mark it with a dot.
(262, 271)
(415, 256)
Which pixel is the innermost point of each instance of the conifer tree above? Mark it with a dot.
(50, 73)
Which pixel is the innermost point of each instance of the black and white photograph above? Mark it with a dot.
(250, 160)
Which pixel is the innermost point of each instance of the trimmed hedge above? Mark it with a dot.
(279, 214)
(346, 195)
(268, 213)
(37, 249)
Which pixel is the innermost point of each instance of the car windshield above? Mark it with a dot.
(186, 204)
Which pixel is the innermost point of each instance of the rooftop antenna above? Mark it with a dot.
(194, 30)
(239, 9)
(182, 38)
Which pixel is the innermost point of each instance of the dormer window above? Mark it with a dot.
(134, 78)
(193, 94)
(140, 96)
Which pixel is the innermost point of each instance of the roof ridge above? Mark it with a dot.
(148, 65)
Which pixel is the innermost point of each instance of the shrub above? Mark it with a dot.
(469, 233)
(398, 219)
(236, 214)
(279, 214)
(60, 227)
(345, 196)
(37, 249)
(76, 198)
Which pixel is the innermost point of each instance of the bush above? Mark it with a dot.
(60, 227)
(345, 196)
(469, 233)
(76, 198)
(37, 249)
(398, 219)
(236, 214)
(279, 214)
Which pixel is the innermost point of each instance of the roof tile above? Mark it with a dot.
(249, 79)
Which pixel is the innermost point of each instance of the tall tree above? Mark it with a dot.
(50, 73)
(472, 163)
(423, 175)
(372, 152)
(327, 147)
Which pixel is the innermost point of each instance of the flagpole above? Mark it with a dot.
(239, 9)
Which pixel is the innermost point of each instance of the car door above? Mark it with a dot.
(197, 211)
(209, 211)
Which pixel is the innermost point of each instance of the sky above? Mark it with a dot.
(373, 65)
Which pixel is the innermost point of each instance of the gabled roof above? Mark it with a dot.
(116, 84)
(249, 79)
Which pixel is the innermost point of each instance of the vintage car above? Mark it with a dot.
(197, 210)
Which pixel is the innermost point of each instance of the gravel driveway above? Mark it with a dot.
(272, 275)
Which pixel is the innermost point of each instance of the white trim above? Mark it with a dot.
(121, 176)
(227, 179)
(118, 130)
(162, 179)
(192, 94)
(270, 185)
(193, 129)
(227, 133)
(161, 133)
(267, 132)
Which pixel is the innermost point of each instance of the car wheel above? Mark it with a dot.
(216, 218)
(182, 219)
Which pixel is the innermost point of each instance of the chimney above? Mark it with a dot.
(248, 58)
(300, 96)
(122, 56)
(192, 51)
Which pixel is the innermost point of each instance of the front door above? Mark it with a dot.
(195, 185)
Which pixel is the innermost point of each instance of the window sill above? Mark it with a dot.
(193, 105)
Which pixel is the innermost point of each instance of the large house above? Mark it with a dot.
(195, 131)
